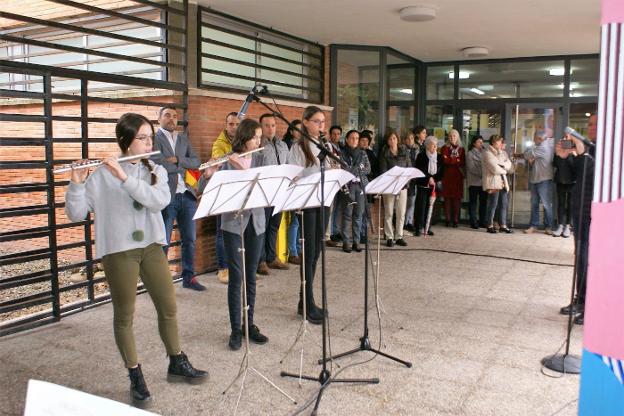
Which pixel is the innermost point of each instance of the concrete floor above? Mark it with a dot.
(474, 327)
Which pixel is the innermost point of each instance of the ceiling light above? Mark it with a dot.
(462, 74)
(587, 114)
(488, 87)
(557, 72)
(406, 91)
(476, 91)
(417, 13)
(475, 51)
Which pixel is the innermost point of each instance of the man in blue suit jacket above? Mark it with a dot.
(176, 156)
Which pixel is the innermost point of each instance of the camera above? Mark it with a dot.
(567, 144)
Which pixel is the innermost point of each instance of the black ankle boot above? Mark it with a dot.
(138, 388)
(180, 369)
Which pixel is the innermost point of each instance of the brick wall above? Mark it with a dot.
(206, 119)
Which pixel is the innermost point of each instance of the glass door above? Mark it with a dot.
(522, 122)
(480, 122)
(476, 121)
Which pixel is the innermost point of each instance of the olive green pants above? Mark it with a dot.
(122, 273)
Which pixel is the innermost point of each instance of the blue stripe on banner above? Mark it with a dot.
(602, 394)
(617, 368)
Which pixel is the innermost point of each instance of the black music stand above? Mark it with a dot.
(237, 191)
(390, 182)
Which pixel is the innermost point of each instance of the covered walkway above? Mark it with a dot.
(474, 327)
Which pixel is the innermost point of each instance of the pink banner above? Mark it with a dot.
(612, 11)
(604, 315)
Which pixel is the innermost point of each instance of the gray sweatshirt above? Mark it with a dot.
(112, 202)
(275, 152)
(474, 171)
(296, 157)
(542, 168)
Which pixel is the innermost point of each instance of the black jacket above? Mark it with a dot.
(422, 164)
(358, 163)
(564, 170)
(387, 160)
(578, 196)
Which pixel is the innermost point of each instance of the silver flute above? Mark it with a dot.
(97, 162)
(224, 159)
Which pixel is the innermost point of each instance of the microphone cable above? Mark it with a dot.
(491, 256)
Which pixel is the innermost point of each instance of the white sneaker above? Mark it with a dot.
(558, 231)
(566, 231)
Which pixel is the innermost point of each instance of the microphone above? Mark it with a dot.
(250, 97)
(569, 130)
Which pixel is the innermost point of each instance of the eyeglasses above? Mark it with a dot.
(318, 122)
(144, 137)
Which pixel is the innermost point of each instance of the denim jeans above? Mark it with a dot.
(221, 263)
(336, 214)
(493, 201)
(409, 211)
(269, 253)
(477, 193)
(182, 209)
(352, 217)
(365, 221)
(541, 191)
(253, 247)
(294, 246)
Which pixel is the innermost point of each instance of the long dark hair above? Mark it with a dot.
(126, 130)
(308, 113)
(291, 127)
(245, 131)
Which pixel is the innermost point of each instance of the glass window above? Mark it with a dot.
(357, 105)
(440, 82)
(401, 79)
(579, 116)
(584, 76)
(511, 80)
(439, 121)
(264, 57)
(76, 60)
(400, 118)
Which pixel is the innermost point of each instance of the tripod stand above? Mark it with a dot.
(235, 192)
(365, 344)
(303, 328)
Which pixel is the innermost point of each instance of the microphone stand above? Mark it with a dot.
(324, 378)
(566, 362)
(365, 344)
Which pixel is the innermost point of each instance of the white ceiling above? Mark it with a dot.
(509, 28)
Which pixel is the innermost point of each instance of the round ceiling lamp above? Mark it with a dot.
(475, 51)
(417, 13)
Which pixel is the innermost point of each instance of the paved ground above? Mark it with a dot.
(475, 328)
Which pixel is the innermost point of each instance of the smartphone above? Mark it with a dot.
(567, 144)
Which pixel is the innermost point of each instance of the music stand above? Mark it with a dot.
(306, 193)
(390, 182)
(235, 191)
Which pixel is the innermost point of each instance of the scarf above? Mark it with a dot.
(432, 169)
